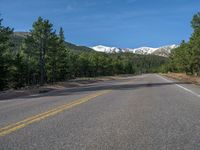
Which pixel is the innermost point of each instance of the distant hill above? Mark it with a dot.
(76, 48)
(18, 38)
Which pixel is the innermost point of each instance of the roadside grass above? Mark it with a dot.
(183, 77)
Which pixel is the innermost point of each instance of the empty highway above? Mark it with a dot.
(146, 112)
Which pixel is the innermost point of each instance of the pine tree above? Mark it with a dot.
(41, 36)
(186, 58)
(196, 22)
(61, 35)
(64, 63)
(5, 54)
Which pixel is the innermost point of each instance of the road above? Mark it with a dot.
(146, 112)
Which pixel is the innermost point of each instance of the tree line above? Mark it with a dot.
(43, 57)
(186, 58)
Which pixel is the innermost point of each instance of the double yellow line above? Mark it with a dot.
(21, 124)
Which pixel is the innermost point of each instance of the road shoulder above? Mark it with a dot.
(183, 84)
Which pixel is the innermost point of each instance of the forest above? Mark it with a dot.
(186, 58)
(43, 56)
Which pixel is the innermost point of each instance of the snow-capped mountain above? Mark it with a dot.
(144, 50)
(164, 50)
(161, 51)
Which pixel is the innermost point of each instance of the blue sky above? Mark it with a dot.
(121, 23)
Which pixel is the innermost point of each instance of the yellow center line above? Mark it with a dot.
(21, 124)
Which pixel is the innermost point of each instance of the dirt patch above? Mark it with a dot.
(183, 77)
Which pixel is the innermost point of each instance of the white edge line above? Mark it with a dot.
(180, 86)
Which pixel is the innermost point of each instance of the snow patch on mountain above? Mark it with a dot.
(106, 49)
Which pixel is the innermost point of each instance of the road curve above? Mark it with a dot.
(147, 112)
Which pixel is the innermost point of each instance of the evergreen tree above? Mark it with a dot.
(64, 57)
(196, 22)
(61, 35)
(5, 54)
(186, 58)
(41, 35)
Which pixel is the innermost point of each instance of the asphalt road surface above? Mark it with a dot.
(146, 112)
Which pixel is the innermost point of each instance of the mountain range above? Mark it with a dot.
(164, 51)
(160, 51)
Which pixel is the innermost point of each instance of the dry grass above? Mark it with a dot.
(184, 77)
